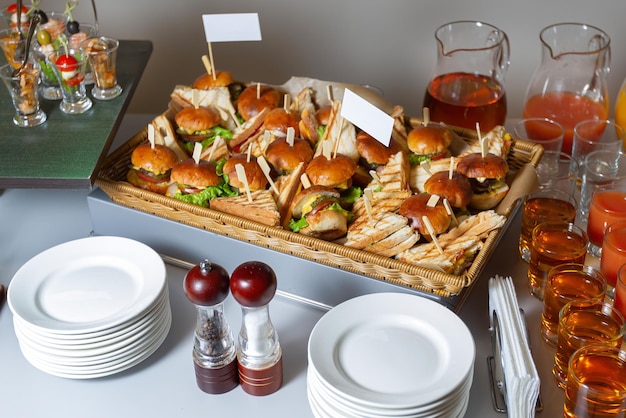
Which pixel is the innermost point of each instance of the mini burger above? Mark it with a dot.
(197, 183)
(254, 98)
(457, 190)
(279, 120)
(316, 212)
(428, 142)
(254, 174)
(285, 157)
(207, 81)
(487, 177)
(151, 166)
(374, 153)
(199, 124)
(313, 125)
(335, 172)
(417, 206)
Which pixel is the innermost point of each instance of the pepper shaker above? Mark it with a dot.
(253, 285)
(214, 352)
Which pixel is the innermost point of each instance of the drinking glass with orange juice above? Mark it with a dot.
(613, 251)
(608, 206)
(600, 168)
(570, 83)
(619, 300)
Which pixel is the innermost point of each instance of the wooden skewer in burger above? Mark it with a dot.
(151, 165)
(199, 124)
(487, 175)
(197, 181)
(317, 211)
(428, 141)
(421, 205)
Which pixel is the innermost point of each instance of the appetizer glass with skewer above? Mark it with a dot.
(102, 54)
(24, 90)
(9, 14)
(70, 65)
(50, 33)
(11, 45)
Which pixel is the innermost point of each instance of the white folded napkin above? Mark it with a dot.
(520, 374)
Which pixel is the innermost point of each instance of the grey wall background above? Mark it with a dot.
(386, 43)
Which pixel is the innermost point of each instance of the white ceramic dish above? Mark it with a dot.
(105, 369)
(102, 335)
(102, 353)
(328, 396)
(391, 351)
(87, 285)
(45, 341)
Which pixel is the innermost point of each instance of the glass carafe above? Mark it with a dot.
(467, 85)
(620, 109)
(570, 83)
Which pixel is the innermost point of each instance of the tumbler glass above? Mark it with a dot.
(599, 168)
(613, 251)
(596, 383)
(593, 134)
(553, 243)
(540, 206)
(582, 323)
(608, 206)
(565, 283)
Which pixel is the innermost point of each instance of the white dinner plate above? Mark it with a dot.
(104, 340)
(87, 285)
(391, 350)
(102, 335)
(95, 354)
(105, 369)
(329, 396)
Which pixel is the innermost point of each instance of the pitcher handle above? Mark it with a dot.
(504, 55)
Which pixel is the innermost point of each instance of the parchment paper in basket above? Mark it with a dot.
(525, 182)
(294, 85)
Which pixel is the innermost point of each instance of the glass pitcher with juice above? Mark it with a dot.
(467, 84)
(620, 109)
(570, 83)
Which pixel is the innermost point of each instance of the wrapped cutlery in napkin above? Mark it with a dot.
(521, 379)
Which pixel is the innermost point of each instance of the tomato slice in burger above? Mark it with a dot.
(151, 177)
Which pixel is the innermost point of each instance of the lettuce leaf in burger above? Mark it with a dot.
(199, 124)
(199, 183)
(317, 212)
(428, 142)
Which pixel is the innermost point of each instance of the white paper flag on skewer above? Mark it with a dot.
(232, 27)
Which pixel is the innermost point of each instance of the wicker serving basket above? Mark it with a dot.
(111, 180)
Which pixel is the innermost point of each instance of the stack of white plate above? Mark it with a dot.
(91, 307)
(390, 355)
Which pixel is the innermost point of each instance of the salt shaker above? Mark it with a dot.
(214, 352)
(253, 285)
